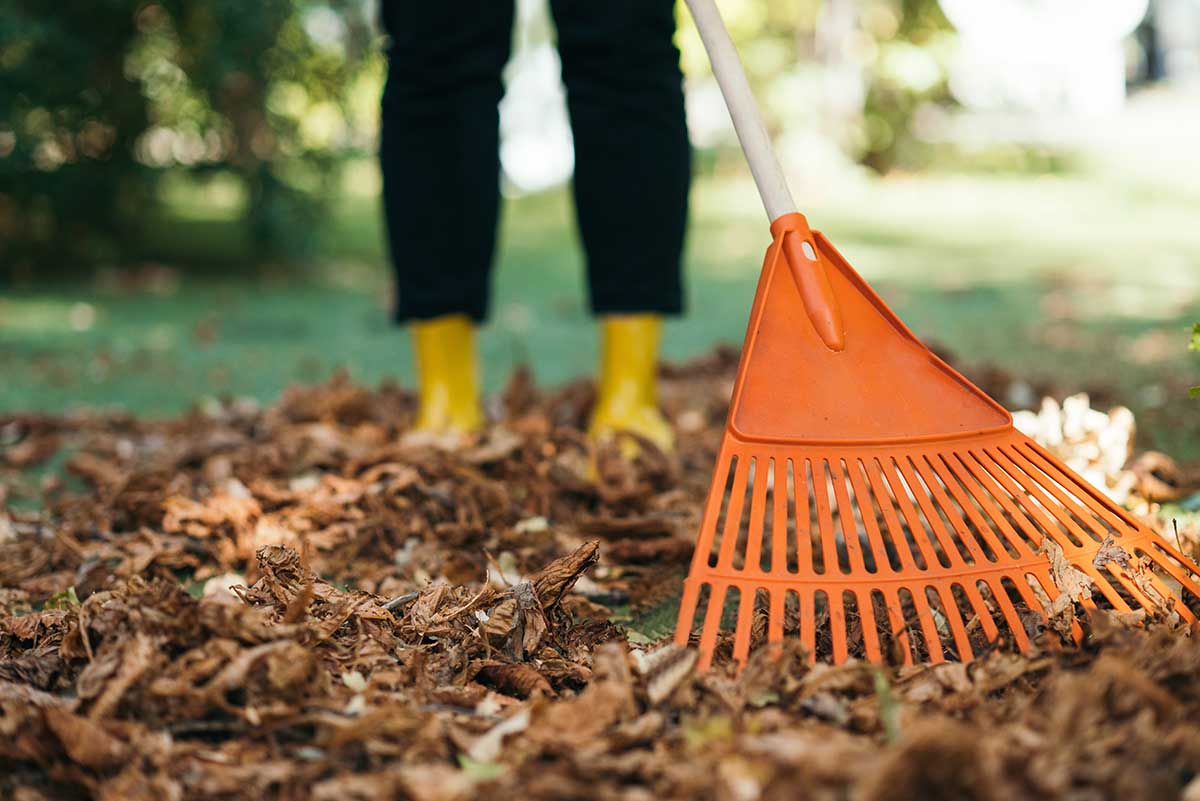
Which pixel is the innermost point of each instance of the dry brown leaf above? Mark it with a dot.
(665, 669)
(557, 578)
(1070, 580)
(521, 680)
(606, 700)
(86, 741)
(1110, 551)
(487, 747)
(1137, 570)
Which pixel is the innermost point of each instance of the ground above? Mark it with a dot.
(296, 602)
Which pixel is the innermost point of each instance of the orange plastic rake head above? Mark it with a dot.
(869, 498)
(876, 503)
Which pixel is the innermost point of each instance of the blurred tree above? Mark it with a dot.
(907, 71)
(857, 72)
(69, 118)
(273, 81)
(100, 100)
(1194, 345)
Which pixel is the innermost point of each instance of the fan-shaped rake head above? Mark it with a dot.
(874, 503)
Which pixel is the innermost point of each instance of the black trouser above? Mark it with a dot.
(440, 143)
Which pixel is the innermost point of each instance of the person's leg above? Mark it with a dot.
(439, 153)
(632, 171)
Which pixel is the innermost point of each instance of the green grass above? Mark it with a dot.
(1088, 278)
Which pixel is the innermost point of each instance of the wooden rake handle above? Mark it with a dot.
(807, 269)
(747, 121)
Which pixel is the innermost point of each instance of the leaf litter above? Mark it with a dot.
(297, 602)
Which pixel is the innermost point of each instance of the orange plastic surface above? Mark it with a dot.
(872, 501)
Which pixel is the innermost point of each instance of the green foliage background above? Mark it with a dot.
(103, 102)
(101, 99)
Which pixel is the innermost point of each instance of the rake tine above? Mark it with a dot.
(870, 628)
(933, 640)
(829, 554)
(733, 515)
(1076, 628)
(975, 600)
(1036, 510)
(950, 510)
(807, 621)
(901, 638)
(895, 529)
(900, 632)
(1105, 588)
(1180, 607)
(1011, 616)
(712, 625)
(1166, 558)
(874, 535)
(1033, 487)
(1027, 465)
(708, 522)
(758, 504)
(687, 611)
(943, 537)
(1046, 582)
(1031, 536)
(837, 626)
(1114, 515)
(779, 521)
(950, 609)
(962, 471)
(804, 557)
(849, 526)
(1028, 595)
(745, 620)
(962, 498)
(915, 527)
(775, 616)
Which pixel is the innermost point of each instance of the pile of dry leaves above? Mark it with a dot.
(297, 602)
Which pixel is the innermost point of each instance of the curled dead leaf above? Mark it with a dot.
(665, 669)
(1159, 479)
(519, 679)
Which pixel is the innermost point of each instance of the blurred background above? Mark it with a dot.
(189, 195)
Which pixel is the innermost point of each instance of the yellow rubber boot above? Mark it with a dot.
(627, 390)
(448, 375)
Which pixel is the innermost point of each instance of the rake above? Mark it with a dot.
(869, 499)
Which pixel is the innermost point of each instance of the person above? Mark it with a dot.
(439, 154)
